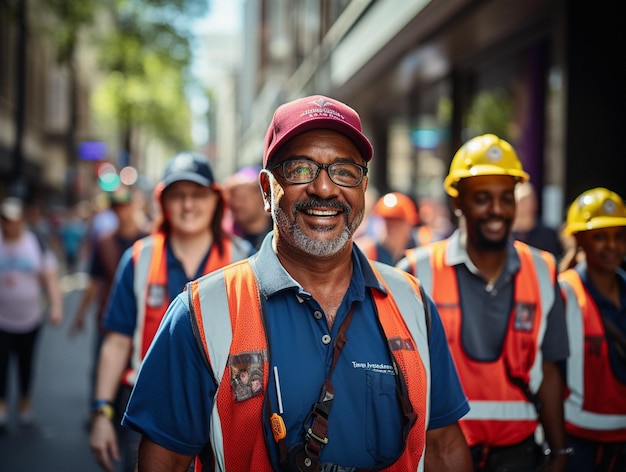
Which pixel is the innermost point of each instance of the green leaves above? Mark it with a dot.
(144, 56)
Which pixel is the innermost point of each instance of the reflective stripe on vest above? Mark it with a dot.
(595, 406)
(234, 291)
(151, 294)
(500, 413)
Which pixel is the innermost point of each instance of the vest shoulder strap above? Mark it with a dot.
(391, 277)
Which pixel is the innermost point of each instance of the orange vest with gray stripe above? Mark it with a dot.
(595, 408)
(500, 413)
(150, 288)
(237, 437)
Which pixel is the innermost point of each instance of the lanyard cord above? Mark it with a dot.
(316, 437)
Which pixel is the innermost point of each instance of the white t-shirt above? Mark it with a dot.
(21, 295)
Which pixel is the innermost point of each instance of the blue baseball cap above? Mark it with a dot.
(191, 167)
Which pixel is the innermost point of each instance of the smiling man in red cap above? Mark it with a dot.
(350, 360)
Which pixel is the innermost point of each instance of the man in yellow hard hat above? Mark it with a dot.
(595, 300)
(503, 313)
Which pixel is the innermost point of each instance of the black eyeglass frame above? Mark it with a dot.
(319, 167)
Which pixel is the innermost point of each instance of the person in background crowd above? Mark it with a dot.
(435, 223)
(528, 227)
(106, 252)
(371, 228)
(73, 235)
(189, 241)
(399, 215)
(503, 313)
(103, 218)
(40, 224)
(595, 301)
(28, 282)
(243, 194)
(307, 313)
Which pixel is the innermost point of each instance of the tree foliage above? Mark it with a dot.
(491, 112)
(144, 56)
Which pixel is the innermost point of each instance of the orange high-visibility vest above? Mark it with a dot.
(235, 325)
(150, 288)
(500, 413)
(595, 407)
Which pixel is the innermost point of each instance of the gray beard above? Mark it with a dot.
(293, 233)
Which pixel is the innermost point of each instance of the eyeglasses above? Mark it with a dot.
(304, 171)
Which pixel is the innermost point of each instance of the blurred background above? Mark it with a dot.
(93, 93)
(97, 95)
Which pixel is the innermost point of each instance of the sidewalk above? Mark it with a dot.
(59, 440)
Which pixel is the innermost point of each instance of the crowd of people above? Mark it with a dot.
(291, 319)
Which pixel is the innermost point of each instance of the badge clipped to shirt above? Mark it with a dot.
(524, 316)
(156, 295)
(246, 374)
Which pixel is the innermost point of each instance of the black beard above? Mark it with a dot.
(486, 244)
(489, 245)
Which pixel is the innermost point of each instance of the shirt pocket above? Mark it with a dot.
(383, 420)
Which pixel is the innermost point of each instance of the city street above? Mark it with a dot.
(58, 440)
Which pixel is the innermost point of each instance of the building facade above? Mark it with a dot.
(427, 75)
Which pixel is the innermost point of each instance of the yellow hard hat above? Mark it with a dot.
(593, 209)
(483, 155)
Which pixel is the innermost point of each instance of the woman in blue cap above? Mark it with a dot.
(188, 242)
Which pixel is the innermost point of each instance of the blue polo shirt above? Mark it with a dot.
(173, 396)
(121, 312)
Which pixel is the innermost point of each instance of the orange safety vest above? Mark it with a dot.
(150, 286)
(595, 408)
(237, 438)
(424, 235)
(500, 412)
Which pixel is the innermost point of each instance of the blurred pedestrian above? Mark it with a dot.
(503, 313)
(105, 255)
(528, 226)
(242, 356)
(595, 301)
(435, 222)
(30, 293)
(251, 221)
(399, 217)
(189, 242)
(73, 235)
(39, 222)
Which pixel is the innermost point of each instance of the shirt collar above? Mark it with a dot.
(456, 254)
(276, 279)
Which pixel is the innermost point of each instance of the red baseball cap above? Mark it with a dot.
(314, 112)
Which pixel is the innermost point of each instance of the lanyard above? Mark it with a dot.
(307, 458)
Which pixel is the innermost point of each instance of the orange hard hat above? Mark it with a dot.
(397, 205)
